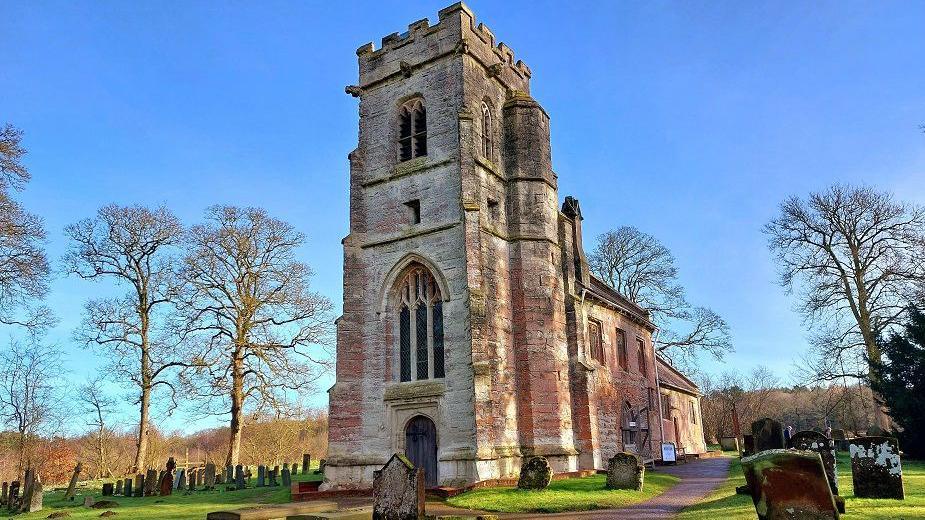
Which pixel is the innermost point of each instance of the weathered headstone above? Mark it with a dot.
(769, 435)
(261, 475)
(166, 487)
(89, 501)
(181, 480)
(306, 462)
(729, 443)
(3, 494)
(127, 491)
(876, 469)
(229, 473)
(27, 488)
(625, 471)
(210, 476)
(239, 477)
(398, 490)
(287, 477)
(748, 445)
(201, 477)
(271, 476)
(140, 485)
(535, 474)
(36, 497)
(151, 483)
(321, 464)
(220, 478)
(192, 479)
(789, 484)
(13, 499)
(72, 485)
(108, 489)
(818, 442)
(295, 468)
(119, 485)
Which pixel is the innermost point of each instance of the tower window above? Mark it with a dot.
(487, 132)
(414, 210)
(412, 130)
(420, 318)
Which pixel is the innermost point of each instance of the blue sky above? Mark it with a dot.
(688, 120)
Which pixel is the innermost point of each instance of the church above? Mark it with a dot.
(473, 334)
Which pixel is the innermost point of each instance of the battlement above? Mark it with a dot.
(456, 32)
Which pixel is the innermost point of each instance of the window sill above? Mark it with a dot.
(414, 389)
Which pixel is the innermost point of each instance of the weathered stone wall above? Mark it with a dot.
(691, 433)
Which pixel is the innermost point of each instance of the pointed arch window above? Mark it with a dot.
(420, 325)
(412, 130)
(488, 145)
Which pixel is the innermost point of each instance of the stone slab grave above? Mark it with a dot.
(150, 488)
(210, 476)
(876, 469)
(535, 474)
(768, 435)
(789, 484)
(814, 441)
(118, 490)
(72, 485)
(398, 490)
(729, 444)
(748, 445)
(625, 471)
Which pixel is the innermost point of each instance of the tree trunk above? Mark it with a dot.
(142, 444)
(237, 406)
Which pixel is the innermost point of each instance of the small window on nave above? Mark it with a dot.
(595, 341)
(420, 326)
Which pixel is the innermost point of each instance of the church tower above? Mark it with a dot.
(452, 345)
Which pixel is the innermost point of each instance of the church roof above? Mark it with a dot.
(672, 377)
(608, 294)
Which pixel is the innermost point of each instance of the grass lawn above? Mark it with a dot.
(179, 506)
(724, 503)
(575, 494)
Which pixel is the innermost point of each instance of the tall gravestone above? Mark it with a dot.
(876, 469)
(271, 476)
(535, 474)
(12, 502)
(128, 487)
(36, 495)
(210, 476)
(109, 489)
(27, 488)
(261, 475)
(295, 468)
(229, 473)
(118, 490)
(398, 490)
(287, 477)
(72, 485)
(151, 483)
(625, 471)
(789, 484)
(748, 445)
(192, 479)
(140, 485)
(814, 441)
(239, 477)
(181, 480)
(306, 462)
(768, 435)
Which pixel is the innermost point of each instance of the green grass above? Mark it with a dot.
(575, 494)
(724, 503)
(178, 506)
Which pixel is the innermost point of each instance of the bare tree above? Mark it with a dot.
(134, 246)
(248, 309)
(23, 265)
(99, 407)
(854, 256)
(30, 383)
(642, 269)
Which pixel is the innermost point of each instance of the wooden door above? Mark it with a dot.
(421, 447)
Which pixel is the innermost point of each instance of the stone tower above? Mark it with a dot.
(452, 346)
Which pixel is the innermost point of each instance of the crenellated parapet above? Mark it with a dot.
(456, 33)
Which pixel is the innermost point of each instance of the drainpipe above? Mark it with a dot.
(658, 392)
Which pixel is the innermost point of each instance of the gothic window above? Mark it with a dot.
(420, 326)
(412, 130)
(641, 347)
(621, 348)
(487, 132)
(595, 341)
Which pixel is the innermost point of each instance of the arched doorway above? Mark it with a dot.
(421, 447)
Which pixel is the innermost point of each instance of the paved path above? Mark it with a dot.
(698, 479)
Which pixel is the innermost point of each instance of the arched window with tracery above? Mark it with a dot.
(412, 130)
(488, 145)
(420, 326)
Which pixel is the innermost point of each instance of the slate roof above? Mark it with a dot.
(672, 377)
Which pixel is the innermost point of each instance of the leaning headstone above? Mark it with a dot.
(306, 462)
(151, 483)
(625, 471)
(72, 485)
(261, 475)
(818, 442)
(789, 484)
(127, 491)
(748, 445)
(118, 490)
(398, 490)
(729, 443)
(13, 499)
(287, 477)
(108, 489)
(140, 485)
(239, 477)
(535, 474)
(876, 469)
(769, 435)
(210, 476)
(36, 496)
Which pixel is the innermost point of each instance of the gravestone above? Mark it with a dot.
(625, 471)
(192, 479)
(140, 485)
(201, 477)
(261, 475)
(295, 468)
(769, 435)
(287, 477)
(239, 477)
(210, 476)
(321, 464)
(3, 493)
(127, 491)
(72, 485)
(306, 462)
(89, 501)
(220, 478)
(229, 473)
(13, 498)
(108, 489)
(748, 445)
(789, 484)
(119, 485)
(166, 487)
(271, 476)
(729, 443)
(181, 480)
(876, 469)
(398, 490)
(36, 497)
(535, 474)
(814, 441)
(150, 483)
(27, 488)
